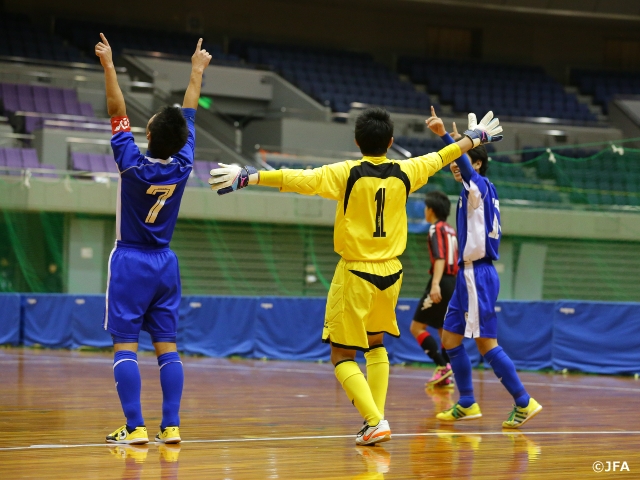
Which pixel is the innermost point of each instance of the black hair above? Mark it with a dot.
(480, 154)
(439, 203)
(374, 131)
(168, 132)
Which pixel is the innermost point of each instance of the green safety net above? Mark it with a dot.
(609, 177)
(32, 252)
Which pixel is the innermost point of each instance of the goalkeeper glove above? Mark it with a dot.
(484, 132)
(229, 178)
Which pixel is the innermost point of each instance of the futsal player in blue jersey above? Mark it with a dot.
(143, 284)
(471, 310)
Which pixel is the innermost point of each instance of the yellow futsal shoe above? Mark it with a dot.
(457, 412)
(137, 453)
(122, 435)
(169, 435)
(519, 415)
(169, 453)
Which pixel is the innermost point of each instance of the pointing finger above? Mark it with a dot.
(455, 129)
(104, 39)
(433, 111)
(199, 45)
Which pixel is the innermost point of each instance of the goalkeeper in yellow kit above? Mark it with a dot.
(370, 232)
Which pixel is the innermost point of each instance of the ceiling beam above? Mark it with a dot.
(552, 12)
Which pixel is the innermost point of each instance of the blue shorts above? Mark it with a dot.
(143, 293)
(472, 309)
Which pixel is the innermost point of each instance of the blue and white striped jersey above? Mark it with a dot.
(478, 220)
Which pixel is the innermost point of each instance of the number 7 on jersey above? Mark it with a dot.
(165, 192)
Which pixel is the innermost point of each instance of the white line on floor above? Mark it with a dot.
(328, 437)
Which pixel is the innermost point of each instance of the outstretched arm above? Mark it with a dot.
(115, 100)
(199, 61)
(328, 181)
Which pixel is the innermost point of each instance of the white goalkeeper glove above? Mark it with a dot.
(484, 132)
(229, 178)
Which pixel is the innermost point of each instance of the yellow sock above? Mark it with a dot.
(352, 380)
(378, 375)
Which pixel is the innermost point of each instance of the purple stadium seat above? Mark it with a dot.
(9, 94)
(41, 100)
(69, 95)
(201, 169)
(80, 161)
(96, 163)
(3, 161)
(71, 107)
(30, 158)
(13, 159)
(110, 163)
(86, 109)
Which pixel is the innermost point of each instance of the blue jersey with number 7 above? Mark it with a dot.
(149, 189)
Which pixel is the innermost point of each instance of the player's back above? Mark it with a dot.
(371, 218)
(443, 244)
(150, 190)
(478, 220)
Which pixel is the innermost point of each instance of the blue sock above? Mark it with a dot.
(172, 380)
(461, 366)
(505, 370)
(128, 385)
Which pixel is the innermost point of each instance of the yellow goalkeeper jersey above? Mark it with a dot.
(371, 216)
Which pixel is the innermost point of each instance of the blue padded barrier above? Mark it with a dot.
(406, 349)
(587, 336)
(87, 317)
(596, 337)
(10, 305)
(47, 320)
(290, 329)
(218, 326)
(525, 332)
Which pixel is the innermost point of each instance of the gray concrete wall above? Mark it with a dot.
(530, 272)
(217, 80)
(86, 261)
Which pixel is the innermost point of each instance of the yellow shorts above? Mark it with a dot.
(362, 300)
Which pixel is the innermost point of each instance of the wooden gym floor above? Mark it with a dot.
(245, 419)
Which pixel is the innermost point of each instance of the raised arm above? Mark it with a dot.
(115, 100)
(421, 168)
(199, 61)
(488, 125)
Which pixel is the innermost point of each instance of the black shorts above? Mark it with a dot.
(434, 313)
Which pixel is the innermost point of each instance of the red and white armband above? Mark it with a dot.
(120, 124)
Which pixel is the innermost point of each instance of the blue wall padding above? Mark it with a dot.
(586, 336)
(47, 320)
(525, 332)
(406, 348)
(596, 337)
(290, 329)
(218, 326)
(10, 306)
(87, 320)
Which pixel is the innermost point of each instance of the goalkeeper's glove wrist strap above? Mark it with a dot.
(471, 135)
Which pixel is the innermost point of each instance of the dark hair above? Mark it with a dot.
(374, 131)
(439, 203)
(480, 154)
(168, 132)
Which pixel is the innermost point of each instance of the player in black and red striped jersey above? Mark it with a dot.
(432, 307)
